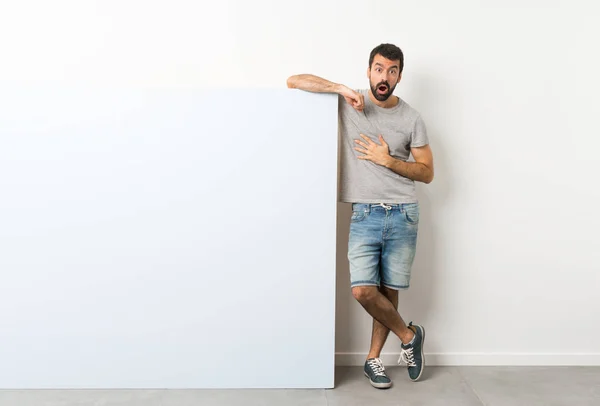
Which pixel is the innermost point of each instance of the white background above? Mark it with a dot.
(508, 262)
(150, 240)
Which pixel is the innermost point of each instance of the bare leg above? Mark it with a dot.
(380, 332)
(381, 309)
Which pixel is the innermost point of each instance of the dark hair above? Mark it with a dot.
(388, 51)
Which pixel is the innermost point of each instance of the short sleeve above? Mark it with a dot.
(418, 137)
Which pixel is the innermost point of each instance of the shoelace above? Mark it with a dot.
(408, 357)
(377, 367)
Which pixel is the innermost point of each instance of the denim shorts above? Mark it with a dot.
(382, 244)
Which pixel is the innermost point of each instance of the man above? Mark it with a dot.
(379, 132)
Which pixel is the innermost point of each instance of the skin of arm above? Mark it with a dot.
(316, 84)
(421, 170)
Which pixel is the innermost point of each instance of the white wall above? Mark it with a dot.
(508, 259)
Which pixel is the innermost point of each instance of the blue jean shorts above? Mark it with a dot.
(382, 244)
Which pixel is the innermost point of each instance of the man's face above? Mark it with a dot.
(384, 75)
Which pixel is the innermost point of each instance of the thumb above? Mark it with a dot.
(382, 140)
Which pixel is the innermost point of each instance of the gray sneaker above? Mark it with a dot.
(412, 354)
(375, 371)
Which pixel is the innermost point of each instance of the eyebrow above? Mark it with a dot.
(391, 67)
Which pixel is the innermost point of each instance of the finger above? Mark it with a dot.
(359, 142)
(360, 104)
(363, 151)
(382, 140)
(369, 141)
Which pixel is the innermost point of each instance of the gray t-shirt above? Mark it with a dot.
(362, 181)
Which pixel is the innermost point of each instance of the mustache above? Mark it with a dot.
(383, 83)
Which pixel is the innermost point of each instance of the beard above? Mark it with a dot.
(387, 92)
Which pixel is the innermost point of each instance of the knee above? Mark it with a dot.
(364, 293)
(391, 294)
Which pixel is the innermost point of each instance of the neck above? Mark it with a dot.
(390, 102)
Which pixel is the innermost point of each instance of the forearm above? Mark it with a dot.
(312, 83)
(413, 170)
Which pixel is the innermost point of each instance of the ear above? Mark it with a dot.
(369, 72)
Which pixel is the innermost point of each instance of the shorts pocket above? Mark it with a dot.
(358, 216)
(411, 213)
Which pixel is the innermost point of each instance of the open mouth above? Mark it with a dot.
(382, 89)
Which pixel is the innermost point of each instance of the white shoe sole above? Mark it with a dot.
(378, 385)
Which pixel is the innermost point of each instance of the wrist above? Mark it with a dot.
(389, 162)
(340, 89)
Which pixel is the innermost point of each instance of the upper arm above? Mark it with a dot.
(420, 149)
(423, 155)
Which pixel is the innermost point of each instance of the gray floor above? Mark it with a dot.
(512, 386)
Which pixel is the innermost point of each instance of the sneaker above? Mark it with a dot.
(375, 371)
(412, 354)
